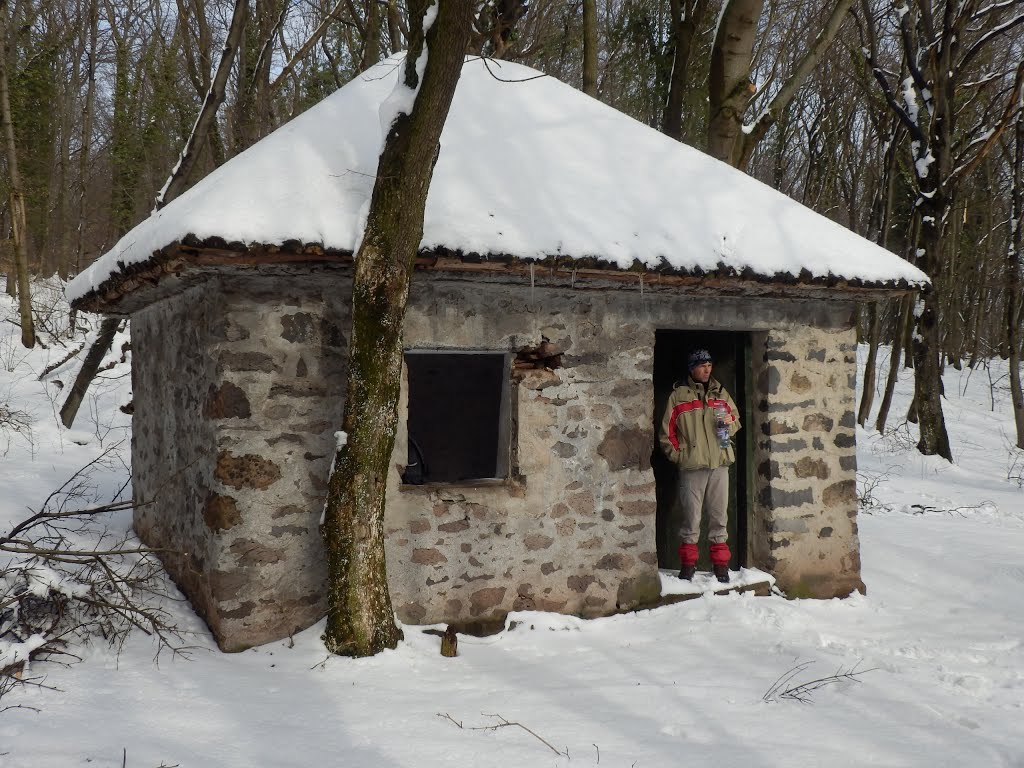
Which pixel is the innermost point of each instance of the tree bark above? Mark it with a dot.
(748, 141)
(360, 619)
(880, 227)
(1013, 282)
(371, 37)
(684, 22)
(729, 84)
(91, 364)
(179, 177)
(19, 228)
(902, 321)
(85, 152)
(867, 395)
(934, 439)
(590, 47)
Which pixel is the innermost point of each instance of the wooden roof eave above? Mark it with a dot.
(177, 266)
(565, 274)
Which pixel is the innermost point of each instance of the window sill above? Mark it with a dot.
(511, 483)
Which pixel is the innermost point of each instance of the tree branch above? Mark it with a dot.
(754, 132)
(982, 41)
(304, 49)
(1013, 108)
(214, 98)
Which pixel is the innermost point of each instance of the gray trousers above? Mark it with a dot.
(704, 490)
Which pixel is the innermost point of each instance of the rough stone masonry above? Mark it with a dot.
(235, 413)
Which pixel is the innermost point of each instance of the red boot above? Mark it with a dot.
(720, 557)
(688, 561)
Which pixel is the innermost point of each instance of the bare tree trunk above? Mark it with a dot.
(867, 394)
(590, 47)
(360, 620)
(1013, 282)
(19, 229)
(179, 177)
(686, 16)
(85, 152)
(884, 222)
(91, 364)
(934, 439)
(748, 141)
(371, 37)
(902, 321)
(729, 84)
(395, 27)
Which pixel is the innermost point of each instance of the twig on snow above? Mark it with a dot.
(803, 692)
(503, 723)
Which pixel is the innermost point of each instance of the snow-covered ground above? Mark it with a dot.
(934, 648)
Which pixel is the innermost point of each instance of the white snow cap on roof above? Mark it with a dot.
(529, 167)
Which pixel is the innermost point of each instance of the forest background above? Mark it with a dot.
(902, 121)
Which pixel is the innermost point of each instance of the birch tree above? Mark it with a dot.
(360, 619)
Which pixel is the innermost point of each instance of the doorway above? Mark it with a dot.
(730, 351)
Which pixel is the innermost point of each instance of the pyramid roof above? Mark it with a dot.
(529, 169)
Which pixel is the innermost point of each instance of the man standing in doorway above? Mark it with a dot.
(699, 419)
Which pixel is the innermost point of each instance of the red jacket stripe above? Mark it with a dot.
(681, 408)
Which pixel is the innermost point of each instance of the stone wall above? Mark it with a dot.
(804, 523)
(236, 409)
(573, 529)
(172, 442)
(263, 372)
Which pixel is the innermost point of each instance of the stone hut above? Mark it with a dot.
(568, 263)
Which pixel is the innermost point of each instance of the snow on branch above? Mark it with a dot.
(982, 41)
(66, 579)
(1014, 107)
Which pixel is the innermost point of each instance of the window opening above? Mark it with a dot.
(458, 424)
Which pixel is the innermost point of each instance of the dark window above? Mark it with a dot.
(458, 416)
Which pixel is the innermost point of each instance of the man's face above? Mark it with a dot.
(701, 373)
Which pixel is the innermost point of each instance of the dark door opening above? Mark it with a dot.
(731, 354)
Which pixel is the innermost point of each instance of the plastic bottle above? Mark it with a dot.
(721, 426)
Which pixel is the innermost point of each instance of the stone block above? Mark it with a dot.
(247, 471)
(221, 512)
(626, 448)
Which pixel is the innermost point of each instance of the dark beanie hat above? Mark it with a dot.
(697, 357)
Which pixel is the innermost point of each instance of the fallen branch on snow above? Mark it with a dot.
(803, 692)
(502, 723)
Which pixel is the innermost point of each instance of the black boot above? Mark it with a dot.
(722, 573)
(687, 571)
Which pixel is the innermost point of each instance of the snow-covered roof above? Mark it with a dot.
(529, 168)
